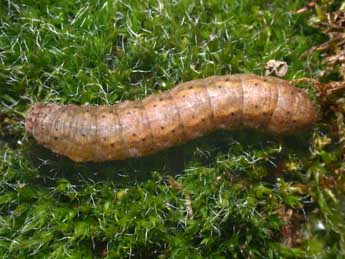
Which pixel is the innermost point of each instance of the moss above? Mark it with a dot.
(229, 195)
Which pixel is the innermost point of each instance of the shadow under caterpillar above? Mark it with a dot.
(159, 121)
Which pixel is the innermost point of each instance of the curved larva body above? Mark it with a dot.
(190, 110)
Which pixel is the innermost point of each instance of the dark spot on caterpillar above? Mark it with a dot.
(162, 128)
(183, 96)
(227, 79)
(232, 113)
(203, 119)
(103, 116)
(56, 138)
(133, 134)
(160, 99)
(104, 139)
(193, 117)
(256, 106)
(128, 113)
(256, 84)
(143, 139)
(83, 134)
(173, 131)
(219, 86)
(191, 87)
(155, 105)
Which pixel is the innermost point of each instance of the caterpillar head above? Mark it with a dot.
(31, 116)
(36, 114)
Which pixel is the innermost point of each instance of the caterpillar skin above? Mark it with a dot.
(187, 111)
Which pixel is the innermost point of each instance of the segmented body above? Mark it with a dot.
(159, 121)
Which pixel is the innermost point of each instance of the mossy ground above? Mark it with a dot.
(228, 195)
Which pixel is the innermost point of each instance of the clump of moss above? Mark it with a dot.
(238, 195)
(330, 19)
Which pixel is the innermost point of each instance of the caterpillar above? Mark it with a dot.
(159, 121)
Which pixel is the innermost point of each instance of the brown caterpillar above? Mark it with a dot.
(159, 121)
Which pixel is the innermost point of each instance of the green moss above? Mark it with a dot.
(232, 195)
